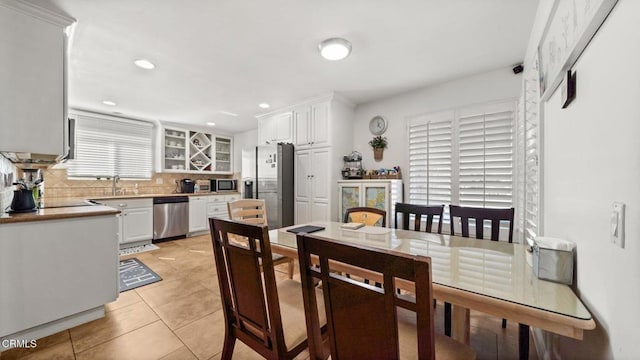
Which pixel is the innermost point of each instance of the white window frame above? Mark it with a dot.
(140, 148)
(454, 115)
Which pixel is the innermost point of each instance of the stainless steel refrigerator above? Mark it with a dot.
(274, 182)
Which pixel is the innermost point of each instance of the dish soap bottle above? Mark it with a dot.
(196, 188)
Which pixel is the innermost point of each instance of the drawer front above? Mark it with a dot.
(229, 198)
(217, 209)
(212, 199)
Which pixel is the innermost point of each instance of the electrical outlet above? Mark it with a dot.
(159, 181)
(617, 224)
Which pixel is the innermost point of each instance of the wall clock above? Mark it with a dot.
(378, 125)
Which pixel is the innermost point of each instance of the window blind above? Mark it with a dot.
(486, 157)
(531, 221)
(430, 156)
(465, 157)
(109, 147)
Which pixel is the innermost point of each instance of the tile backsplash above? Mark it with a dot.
(57, 185)
(7, 174)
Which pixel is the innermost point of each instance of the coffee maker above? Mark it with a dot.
(186, 186)
(26, 197)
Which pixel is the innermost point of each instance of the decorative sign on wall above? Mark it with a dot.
(570, 27)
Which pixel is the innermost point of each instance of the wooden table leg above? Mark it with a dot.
(460, 324)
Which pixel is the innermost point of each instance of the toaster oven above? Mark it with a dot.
(204, 186)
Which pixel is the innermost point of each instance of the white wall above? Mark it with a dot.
(591, 159)
(244, 142)
(493, 85)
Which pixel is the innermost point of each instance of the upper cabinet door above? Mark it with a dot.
(32, 81)
(284, 127)
(320, 124)
(276, 128)
(302, 117)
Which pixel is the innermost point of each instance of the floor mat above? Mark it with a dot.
(138, 249)
(133, 274)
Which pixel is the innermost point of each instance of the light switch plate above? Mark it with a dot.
(617, 224)
(159, 181)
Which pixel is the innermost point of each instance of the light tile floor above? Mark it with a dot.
(180, 317)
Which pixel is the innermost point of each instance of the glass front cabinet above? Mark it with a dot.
(379, 194)
(195, 152)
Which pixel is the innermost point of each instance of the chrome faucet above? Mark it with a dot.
(114, 186)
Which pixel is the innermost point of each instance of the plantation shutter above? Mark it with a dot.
(109, 147)
(430, 156)
(486, 156)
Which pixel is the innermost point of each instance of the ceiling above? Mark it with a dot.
(215, 56)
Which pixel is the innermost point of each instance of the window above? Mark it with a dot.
(463, 156)
(109, 147)
(529, 123)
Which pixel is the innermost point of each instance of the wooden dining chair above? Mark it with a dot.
(254, 211)
(496, 217)
(366, 215)
(428, 212)
(266, 315)
(401, 325)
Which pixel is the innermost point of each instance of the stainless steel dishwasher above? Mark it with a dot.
(170, 217)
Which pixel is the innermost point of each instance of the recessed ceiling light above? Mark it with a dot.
(228, 113)
(264, 105)
(335, 49)
(109, 102)
(145, 64)
(211, 124)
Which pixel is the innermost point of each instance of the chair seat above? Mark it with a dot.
(293, 320)
(446, 347)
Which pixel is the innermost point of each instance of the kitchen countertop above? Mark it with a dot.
(143, 196)
(74, 207)
(58, 213)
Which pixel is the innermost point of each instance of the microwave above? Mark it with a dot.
(221, 185)
(204, 186)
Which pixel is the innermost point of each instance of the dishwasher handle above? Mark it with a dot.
(170, 199)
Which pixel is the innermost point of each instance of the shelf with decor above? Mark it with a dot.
(223, 147)
(175, 149)
(200, 151)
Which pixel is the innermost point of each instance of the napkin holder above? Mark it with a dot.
(553, 259)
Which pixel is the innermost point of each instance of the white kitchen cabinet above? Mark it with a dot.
(33, 79)
(198, 213)
(312, 125)
(189, 151)
(312, 185)
(56, 274)
(379, 194)
(223, 155)
(276, 128)
(136, 219)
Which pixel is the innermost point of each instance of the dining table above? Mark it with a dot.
(493, 277)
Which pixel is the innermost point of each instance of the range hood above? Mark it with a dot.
(26, 158)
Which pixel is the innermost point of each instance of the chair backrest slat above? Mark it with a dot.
(353, 331)
(367, 215)
(248, 210)
(496, 216)
(430, 211)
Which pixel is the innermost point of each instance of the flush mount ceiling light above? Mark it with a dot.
(228, 113)
(145, 64)
(211, 124)
(109, 102)
(335, 49)
(264, 106)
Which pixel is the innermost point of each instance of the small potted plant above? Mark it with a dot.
(378, 143)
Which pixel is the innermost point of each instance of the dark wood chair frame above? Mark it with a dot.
(251, 308)
(495, 216)
(366, 209)
(430, 211)
(349, 304)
